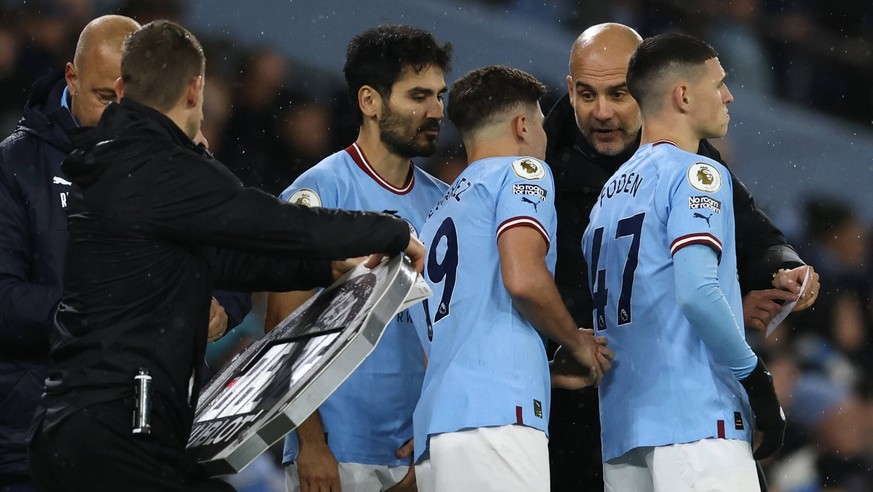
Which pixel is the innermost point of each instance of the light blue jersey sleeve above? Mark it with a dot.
(702, 301)
(527, 198)
(317, 187)
(701, 210)
(701, 215)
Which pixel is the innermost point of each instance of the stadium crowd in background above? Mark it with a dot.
(768, 44)
(265, 119)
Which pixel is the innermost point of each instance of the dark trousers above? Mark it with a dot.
(574, 441)
(93, 450)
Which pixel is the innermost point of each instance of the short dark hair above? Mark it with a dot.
(483, 93)
(662, 54)
(158, 62)
(378, 55)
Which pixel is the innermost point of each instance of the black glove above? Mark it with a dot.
(769, 418)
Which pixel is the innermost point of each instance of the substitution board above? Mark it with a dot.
(278, 381)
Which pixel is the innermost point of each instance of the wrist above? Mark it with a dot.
(775, 274)
(312, 442)
(579, 341)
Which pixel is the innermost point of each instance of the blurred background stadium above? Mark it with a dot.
(801, 139)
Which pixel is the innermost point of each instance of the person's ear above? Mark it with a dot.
(519, 126)
(195, 89)
(570, 90)
(681, 97)
(119, 89)
(369, 101)
(72, 79)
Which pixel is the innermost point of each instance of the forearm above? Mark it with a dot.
(236, 270)
(204, 203)
(540, 303)
(310, 432)
(782, 256)
(532, 288)
(702, 301)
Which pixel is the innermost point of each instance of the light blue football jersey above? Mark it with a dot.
(665, 386)
(370, 414)
(487, 364)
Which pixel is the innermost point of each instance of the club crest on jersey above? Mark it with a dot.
(306, 197)
(704, 177)
(528, 168)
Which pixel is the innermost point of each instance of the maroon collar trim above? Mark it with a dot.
(360, 159)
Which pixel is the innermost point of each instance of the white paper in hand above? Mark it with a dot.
(787, 307)
(420, 291)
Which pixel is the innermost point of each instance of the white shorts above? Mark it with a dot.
(488, 459)
(711, 465)
(355, 477)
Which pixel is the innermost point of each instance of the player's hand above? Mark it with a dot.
(406, 450)
(567, 373)
(415, 251)
(407, 484)
(605, 355)
(338, 268)
(317, 468)
(769, 418)
(790, 280)
(217, 322)
(591, 352)
(759, 306)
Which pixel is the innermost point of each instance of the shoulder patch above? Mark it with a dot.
(704, 177)
(528, 168)
(306, 197)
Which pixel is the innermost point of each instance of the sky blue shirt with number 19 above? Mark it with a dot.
(487, 364)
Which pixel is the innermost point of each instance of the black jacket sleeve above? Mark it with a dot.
(234, 270)
(761, 246)
(200, 201)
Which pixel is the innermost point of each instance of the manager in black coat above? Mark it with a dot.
(591, 132)
(153, 224)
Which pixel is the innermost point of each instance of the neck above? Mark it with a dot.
(674, 131)
(485, 144)
(391, 167)
(179, 116)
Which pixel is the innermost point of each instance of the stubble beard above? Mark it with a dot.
(396, 135)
